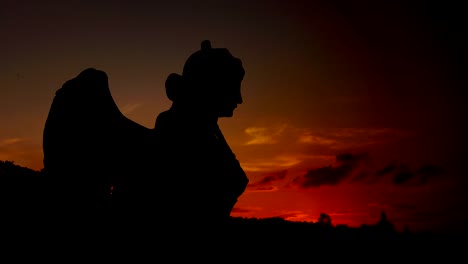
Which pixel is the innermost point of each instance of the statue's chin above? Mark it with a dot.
(226, 114)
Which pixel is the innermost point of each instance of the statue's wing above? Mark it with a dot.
(89, 145)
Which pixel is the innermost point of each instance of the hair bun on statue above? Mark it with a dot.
(208, 62)
(206, 45)
(173, 86)
(202, 73)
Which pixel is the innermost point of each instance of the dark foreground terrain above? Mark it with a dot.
(24, 219)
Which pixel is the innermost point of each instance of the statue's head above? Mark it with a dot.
(211, 80)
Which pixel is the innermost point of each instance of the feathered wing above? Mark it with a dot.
(90, 148)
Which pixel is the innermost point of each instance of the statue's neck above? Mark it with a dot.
(196, 114)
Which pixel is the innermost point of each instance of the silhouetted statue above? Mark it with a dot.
(102, 166)
(203, 177)
(90, 148)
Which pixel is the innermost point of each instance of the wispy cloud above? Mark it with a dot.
(129, 108)
(264, 135)
(22, 151)
(346, 138)
(11, 141)
(333, 139)
(308, 138)
(245, 210)
(295, 216)
(262, 188)
(279, 162)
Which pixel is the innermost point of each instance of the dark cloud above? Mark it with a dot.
(268, 181)
(402, 177)
(428, 171)
(388, 169)
(324, 176)
(274, 176)
(349, 158)
(402, 174)
(353, 167)
(404, 206)
(331, 175)
(360, 176)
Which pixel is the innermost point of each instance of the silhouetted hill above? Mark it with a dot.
(22, 190)
(10, 170)
(19, 186)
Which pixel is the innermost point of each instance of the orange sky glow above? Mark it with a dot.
(349, 109)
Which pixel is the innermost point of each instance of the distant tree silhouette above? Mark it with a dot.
(385, 228)
(325, 220)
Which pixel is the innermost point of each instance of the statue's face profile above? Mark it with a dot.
(227, 98)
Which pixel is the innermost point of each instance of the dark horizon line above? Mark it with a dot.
(23, 171)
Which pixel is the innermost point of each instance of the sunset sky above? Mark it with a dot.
(350, 108)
